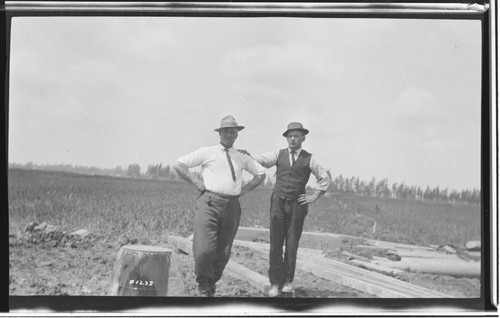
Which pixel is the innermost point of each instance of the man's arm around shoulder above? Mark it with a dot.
(267, 159)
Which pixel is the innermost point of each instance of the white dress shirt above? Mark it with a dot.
(216, 171)
(270, 159)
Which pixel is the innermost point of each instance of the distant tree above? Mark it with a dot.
(134, 170)
(394, 190)
(371, 188)
(382, 189)
(420, 194)
(164, 172)
(358, 186)
(118, 171)
(153, 171)
(444, 195)
(476, 196)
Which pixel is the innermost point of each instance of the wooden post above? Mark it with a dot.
(141, 270)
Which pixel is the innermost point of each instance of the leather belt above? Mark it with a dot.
(222, 196)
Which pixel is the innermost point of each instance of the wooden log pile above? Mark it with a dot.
(371, 275)
(458, 262)
(357, 278)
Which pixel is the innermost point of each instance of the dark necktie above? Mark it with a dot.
(293, 157)
(230, 163)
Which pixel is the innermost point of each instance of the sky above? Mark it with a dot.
(385, 98)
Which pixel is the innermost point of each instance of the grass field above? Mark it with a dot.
(151, 208)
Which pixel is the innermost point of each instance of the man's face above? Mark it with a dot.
(295, 139)
(228, 136)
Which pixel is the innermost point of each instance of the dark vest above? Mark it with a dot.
(291, 181)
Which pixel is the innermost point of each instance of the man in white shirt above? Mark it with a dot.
(289, 203)
(218, 208)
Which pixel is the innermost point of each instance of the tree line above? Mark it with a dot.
(383, 189)
(340, 184)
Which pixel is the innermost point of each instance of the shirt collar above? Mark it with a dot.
(296, 151)
(223, 148)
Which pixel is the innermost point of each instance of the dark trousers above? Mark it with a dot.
(286, 223)
(215, 226)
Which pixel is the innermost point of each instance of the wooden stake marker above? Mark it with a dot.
(141, 270)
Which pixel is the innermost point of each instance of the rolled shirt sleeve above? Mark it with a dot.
(194, 159)
(267, 159)
(323, 180)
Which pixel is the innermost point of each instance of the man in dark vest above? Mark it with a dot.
(289, 203)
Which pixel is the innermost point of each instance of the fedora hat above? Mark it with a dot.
(295, 126)
(228, 122)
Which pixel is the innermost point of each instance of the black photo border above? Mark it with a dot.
(486, 304)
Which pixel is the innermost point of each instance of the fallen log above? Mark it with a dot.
(378, 268)
(453, 266)
(364, 280)
(423, 254)
(473, 246)
(232, 268)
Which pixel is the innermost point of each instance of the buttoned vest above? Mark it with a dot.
(291, 180)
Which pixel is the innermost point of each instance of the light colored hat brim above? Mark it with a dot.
(239, 128)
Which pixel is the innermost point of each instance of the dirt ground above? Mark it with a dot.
(46, 261)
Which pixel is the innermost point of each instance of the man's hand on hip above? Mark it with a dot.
(309, 199)
(200, 186)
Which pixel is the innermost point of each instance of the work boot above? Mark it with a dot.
(274, 291)
(287, 288)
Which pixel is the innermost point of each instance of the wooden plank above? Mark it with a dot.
(266, 247)
(232, 268)
(323, 241)
(253, 278)
(181, 243)
(351, 276)
(378, 290)
(351, 256)
(416, 291)
(390, 282)
(379, 279)
(333, 275)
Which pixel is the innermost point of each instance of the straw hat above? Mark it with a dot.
(228, 122)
